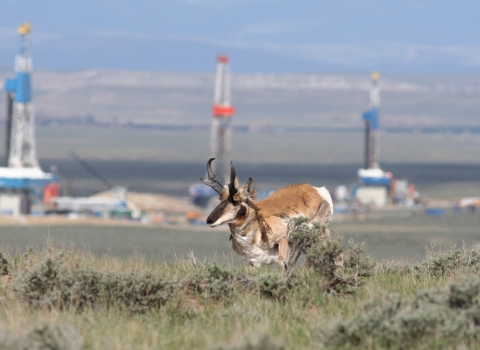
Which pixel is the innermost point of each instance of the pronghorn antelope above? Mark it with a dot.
(259, 230)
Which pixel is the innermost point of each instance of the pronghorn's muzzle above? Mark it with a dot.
(209, 221)
(216, 213)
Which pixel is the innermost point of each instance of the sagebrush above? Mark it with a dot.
(50, 283)
(42, 336)
(341, 267)
(432, 317)
(57, 298)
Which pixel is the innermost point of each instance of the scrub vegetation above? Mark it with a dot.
(62, 298)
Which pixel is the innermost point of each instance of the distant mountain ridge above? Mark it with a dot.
(47, 79)
(262, 100)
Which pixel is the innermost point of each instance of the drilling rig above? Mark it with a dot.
(20, 130)
(221, 133)
(375, 183)
(223, 111)
(23, 184)
(371, 126)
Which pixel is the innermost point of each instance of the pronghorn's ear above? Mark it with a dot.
(249, 190)
(236, 183)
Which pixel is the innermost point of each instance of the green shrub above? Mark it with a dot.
(301, 238)
(50, 283)
(44, 337)
(4, 265)
(340, 268)
(213, 281)
(432, 317)
(263, 342)
(216, 282)
(358, 261)
(451, 261)
(273, 286)
(321, 257)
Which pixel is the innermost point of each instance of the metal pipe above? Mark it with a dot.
(367, 145)
(8, 127)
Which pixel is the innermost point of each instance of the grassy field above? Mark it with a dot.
(53, 298)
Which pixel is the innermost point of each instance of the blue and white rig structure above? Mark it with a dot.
(22, 181)
(371, 174)
(375, 183)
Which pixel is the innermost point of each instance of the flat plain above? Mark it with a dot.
(168, 161)
(400, 235)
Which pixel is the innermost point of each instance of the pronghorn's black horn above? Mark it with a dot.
(233, 175)
(233, 185)
(210, 173)
(212, 180)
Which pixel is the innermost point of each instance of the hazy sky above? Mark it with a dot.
(260, 36)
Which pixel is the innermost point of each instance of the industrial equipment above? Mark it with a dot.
(20, 129)
(223, 112)
(220, 140)
(375, 183)
(22, 181)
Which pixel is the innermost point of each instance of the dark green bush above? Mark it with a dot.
(435, 317)
(52, 284)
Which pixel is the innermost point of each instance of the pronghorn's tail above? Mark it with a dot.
(323, 192)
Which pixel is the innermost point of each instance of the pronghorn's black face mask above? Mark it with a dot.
(233, 198)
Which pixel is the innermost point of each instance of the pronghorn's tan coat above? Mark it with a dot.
(259, 230)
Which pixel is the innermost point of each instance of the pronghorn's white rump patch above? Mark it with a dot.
(323, 192)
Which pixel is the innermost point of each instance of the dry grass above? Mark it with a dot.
(217, 304)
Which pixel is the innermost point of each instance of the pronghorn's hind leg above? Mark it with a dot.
(283, 254)
(324, 217)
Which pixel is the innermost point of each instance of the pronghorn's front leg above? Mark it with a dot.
(283, 254)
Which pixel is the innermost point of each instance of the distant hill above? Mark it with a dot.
(262, 101)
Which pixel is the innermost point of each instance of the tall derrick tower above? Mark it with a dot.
(371, 126)
(222, 117)
(24, 187)
(20, 123)
(375, 185)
